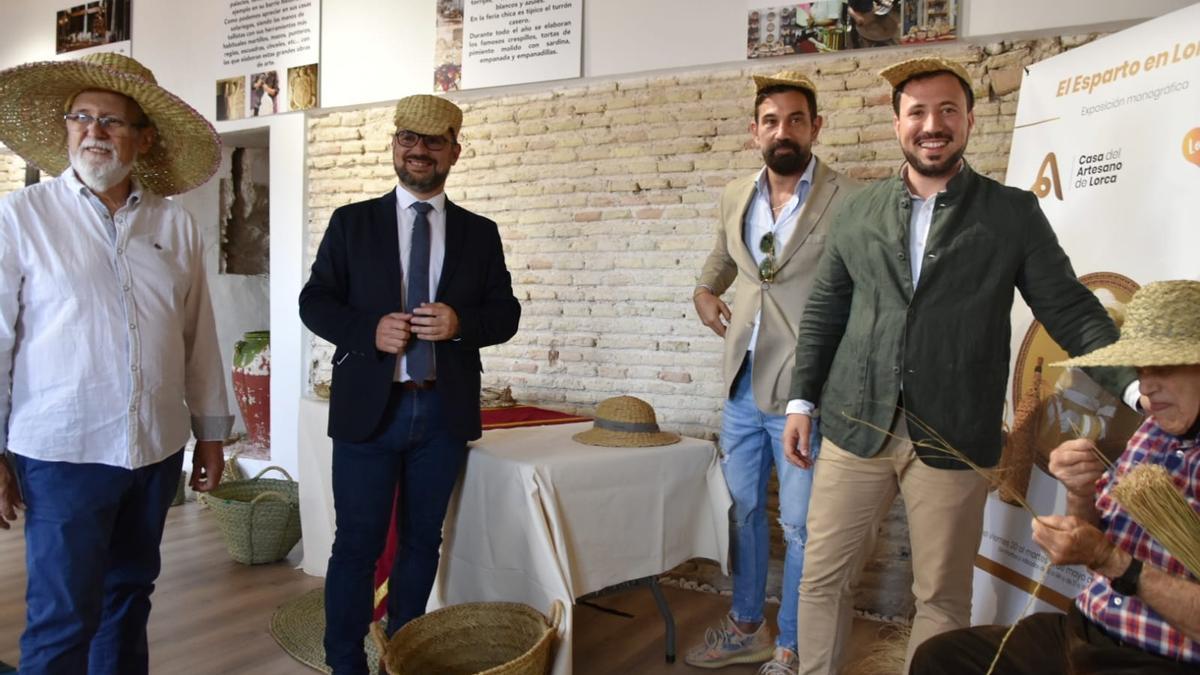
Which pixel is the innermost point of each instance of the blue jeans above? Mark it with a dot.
(751, 442)
(412, 451)
(92, 534)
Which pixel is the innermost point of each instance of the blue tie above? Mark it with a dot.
(419, 352)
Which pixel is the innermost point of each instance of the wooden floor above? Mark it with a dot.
(211, 615)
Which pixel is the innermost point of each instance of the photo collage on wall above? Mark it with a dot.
(835, 25)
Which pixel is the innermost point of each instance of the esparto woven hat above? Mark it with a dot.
(786, 78)
(625, 422)
(428, 114)
(899, 73)
(1162, 328)
(34, 96)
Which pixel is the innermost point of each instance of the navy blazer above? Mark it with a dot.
(356, 280)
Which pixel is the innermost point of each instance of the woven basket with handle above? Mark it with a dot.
(478, 638)
(259, 517)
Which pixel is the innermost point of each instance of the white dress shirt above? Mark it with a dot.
(107, 337)
(405, 217)
(760, 220)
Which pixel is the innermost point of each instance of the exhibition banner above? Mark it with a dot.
(1108, 137)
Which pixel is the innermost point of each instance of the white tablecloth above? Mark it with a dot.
(539, 517)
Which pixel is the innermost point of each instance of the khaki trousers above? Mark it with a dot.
(850, 496)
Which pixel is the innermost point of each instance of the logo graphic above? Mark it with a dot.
(1044, 183)
(1191, 146)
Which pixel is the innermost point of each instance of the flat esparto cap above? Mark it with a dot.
(787, 78)
(429, 115)
(899, 73)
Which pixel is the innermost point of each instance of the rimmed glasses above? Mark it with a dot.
(409, 139)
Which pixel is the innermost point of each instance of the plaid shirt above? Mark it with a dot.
(1128, 618)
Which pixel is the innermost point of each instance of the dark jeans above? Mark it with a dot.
(414, 451)
(1041, 644)
(92, 534)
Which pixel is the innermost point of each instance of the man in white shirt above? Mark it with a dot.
(108, 350)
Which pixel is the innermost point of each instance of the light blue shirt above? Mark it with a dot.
(760, 220)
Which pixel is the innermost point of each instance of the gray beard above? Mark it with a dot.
(99, 177)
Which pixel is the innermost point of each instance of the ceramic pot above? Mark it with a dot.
(252, 384)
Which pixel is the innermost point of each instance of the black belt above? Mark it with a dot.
(414, 386)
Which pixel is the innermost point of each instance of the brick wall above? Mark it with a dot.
(606, 196)
(12, 172)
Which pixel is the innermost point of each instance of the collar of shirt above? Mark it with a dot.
(140, 394)
(760, 220)
(78, 186)
(437, 249)
(920, 220)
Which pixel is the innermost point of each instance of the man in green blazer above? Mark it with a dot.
(772, 229)
(907, 330)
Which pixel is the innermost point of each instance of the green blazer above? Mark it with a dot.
(866, 333)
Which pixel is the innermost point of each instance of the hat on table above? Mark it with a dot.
(625, 422)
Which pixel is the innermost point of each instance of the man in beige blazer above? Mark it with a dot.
(771, 234)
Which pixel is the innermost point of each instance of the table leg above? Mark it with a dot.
(659, 599)
(668, 619)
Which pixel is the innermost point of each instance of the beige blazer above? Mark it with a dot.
(781, 301)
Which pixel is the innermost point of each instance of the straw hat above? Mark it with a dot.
(1162, 328)
(786, 78)
(429, 115)
(625, 422)
(899, 73)
(34, 96)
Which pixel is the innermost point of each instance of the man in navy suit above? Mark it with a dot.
(408, 287)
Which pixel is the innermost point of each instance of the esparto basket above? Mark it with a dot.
(477, 638)
(259, 518)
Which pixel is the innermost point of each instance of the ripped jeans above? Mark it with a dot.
(751, 443)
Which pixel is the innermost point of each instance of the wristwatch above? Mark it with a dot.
(1127, 583)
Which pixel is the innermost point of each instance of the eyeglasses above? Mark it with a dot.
(766, 268)
(409, 139)
(113, 125)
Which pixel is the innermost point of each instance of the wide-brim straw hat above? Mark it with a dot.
(429, 115)
(899, 73)
(625, 422)
(34, 96)
(786, 78)
(1162, 328)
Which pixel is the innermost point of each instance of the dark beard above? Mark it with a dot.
(938, 170)
(786, 165)
(434, 182)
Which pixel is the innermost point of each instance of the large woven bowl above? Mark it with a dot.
(259, 517)
(479, 638)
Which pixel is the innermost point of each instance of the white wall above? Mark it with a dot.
(375, 51)
(992, 17)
